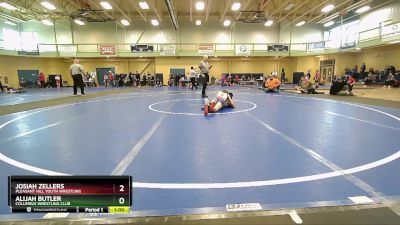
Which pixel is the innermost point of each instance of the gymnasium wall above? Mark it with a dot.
(10, 65)
(376, 58)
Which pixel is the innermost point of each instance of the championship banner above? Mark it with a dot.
(348, 45)
(206, 48)
(67, 50)
(243, 49)
(107, 49)
(316, 47)
(278, 48)
(142, 48)
(167, 50)
(391, 32)
(34, 52)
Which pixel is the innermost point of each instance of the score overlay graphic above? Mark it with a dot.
(88, 194)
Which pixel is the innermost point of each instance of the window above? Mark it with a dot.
(11, 39)
(29, 41)
(25, 41)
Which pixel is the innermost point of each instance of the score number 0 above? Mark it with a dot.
(121, 199)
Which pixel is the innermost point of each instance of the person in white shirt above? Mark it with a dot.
(58, 81)
(193, 76)
(76, 71)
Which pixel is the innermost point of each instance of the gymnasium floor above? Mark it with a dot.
(280, 150)
(41, 94)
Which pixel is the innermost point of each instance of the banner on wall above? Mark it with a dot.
(67, 50)
(390, 32)
(107, 49)
(316, 47)
(167, 50)
(142, 48)
(34, 52)
(243, 49)
(206, 48)
(278, 48)
(348, 45)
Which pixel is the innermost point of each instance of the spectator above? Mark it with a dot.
(193, 76)
(144, 81)
(130, 76)
(390, 81)
(337, 85)
(283, 76)
(213, 80)
(58, 81)
(370, 78)
(105, 79)
(317, 78)
(111, 77)
(363, 68)
(42, 79)
(223, 80)
(308, 75)
(22, 82)
(237, 79)
(392, 70)
(1, 85)
(350, 81)
(135, 81)
(272, 84)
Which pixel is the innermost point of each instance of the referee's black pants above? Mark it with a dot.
(205, 82)
(78, 81)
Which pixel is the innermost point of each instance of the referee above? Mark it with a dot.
(204, 67)
(76, 72)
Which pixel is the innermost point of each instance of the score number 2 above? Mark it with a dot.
(121, 200)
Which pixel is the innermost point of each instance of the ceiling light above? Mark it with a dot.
(47, 22)
(125, 22)
(289, 7)
(328, 24)
(327, 8)
(236, 6)
(363, 9)
(143, 5)
(198, 22)
(10, 23)
(7, 6)
(200, 5)
(48, 5)
(106, 5)
(79, 22)
(299, 24)
(268, 23)
(227, 23)
(155, 22)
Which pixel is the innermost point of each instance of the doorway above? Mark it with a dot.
(327, 69)
(100, 72)
(28, 78)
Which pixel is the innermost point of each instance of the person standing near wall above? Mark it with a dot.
(76, 71)
(283, 76)
(193, 77)
(42, 79)
(1, 85)
(58, 81)
(205, 67)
